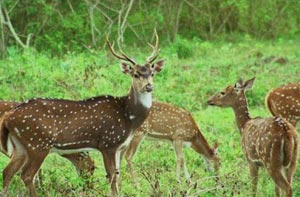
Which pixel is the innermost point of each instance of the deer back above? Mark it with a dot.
(284, 101)
(166, 121)
(7, 106)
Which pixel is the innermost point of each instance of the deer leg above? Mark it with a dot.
(277, 191)
(178, 147)
(254, 176)
(16, 162)
(290, 171)
(129, 154)
(29, 171)
(39, 178)
(109, 158)
(281, 183)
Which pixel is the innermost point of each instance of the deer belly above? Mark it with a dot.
(158, 138)
(62, 151)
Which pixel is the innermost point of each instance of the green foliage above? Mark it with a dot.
(183, 47)
(60, 26)
(187, 81)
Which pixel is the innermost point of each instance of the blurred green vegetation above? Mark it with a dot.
(59, 26)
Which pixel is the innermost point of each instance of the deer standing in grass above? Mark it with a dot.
(82, 161)
(176, 125)
(105, 123)
(284, 102)
(267, 142)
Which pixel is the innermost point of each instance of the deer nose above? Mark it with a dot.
(149, 87)
(210, 102)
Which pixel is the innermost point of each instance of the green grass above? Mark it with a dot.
(206, 68)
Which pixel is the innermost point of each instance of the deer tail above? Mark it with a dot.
(290, 147)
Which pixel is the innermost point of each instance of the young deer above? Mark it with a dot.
(82, 161)
(267, 142)
(284, 102)
(104, 123)
(176, 125)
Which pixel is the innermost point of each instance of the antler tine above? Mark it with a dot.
(128, 59)
(155, 52)
(122, 57)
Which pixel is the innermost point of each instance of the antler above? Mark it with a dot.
(123, 56)
(155, 52)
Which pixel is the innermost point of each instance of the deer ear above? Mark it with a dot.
(126, 68)
(248, 84)
(158, 66)
(238, 85)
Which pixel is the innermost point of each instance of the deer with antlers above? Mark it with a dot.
(83, 163)
(105, 123)
(284, 102)
(267, 142)
(176, 125)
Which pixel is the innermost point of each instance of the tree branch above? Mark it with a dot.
(123, 23)
(11, 28)
(2, 39)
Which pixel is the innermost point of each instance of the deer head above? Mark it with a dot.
(231, 95)
(142, 75)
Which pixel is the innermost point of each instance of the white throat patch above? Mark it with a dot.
(145, 99)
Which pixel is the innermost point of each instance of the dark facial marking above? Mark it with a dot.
(143, 71)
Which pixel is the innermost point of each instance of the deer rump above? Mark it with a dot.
(280, 141)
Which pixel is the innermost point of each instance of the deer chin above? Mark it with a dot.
(211, 103)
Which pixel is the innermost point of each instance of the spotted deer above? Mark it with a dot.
(175, 125)
(284, 102)
(82, 161)
(104, 123)
(267, 142)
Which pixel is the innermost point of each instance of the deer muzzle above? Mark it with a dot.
(210, 102)
(149, 87)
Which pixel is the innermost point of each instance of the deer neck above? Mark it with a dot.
(138, 107)
(241, 113)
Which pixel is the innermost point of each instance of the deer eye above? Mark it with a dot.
(222, 93)
(136, 76)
